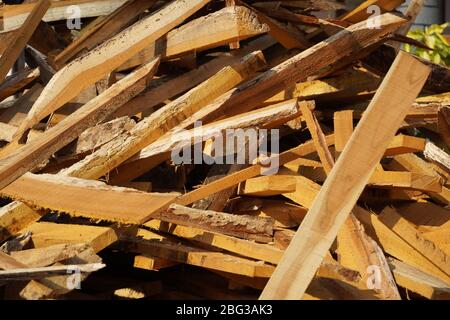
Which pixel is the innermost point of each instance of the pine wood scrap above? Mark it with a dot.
(17, 82)
(213, 30)
(33, 153)
(109, 25)
(418, 281)
(307, 264)
(241, 226)
(437, 155)
(155, 245)
(87, 69)
(148, 262)
(86, 198)
(14, 16)
(266, 186)
(361, 12)
(21, 37)
(173, 87)
(45, 234)
(15, 114)
(45, 272)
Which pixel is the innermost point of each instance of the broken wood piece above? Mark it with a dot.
(34, 152)
(88, 69)
(309, 246)
(21, 37)
(241, 226)
(45, 272)
(148, 262)
(267, 186)
(86, 198)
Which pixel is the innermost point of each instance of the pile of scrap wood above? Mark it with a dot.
(99, 100)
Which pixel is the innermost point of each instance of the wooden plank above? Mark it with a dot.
(318, 138)
(340, 192)
(406, 180)
(22, 37)
(13, 16)
(99, 32)
(420, 282)
(210, 31)
(88, 69)
(45, 234)
(241, 226)
(343, 129)
(148, 262)
(308, 63)
(17, 82)
(45, 272)
(155, 245)
(361, 12)
(97, 109)
(87, 198)
(407, 232)
(267, 186)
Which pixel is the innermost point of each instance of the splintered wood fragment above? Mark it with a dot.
(407, 232)
(18, 81)
(173, 87)
(307, 63)
(318, 138)
(22, 37)
(246, 248)
(87, 198)
(123, 147)
(362, 12)
(396, 246)
(97, 109)
(435, 154)
(103, 30)
(348, 178)
(45, 272)
(405, 144)
(45, 234)
(147, 262)
(406, 180)
(88, 69)
(155, 245)
(235, 44)
(420, 282)
(437, 217)
(343, 129)
(213, 30)
(357, 251)
(12, 17)
(161, 121)
(241, 226)
(267, 186)
(42, 257)
(413, 10)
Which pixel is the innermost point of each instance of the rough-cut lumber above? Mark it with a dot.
(44, 272)
(437, 155)
(407, 232)
(151, 128)
(343, 129)
(12, 17)
(267, 186)
(246, 248)
(348, 179)
(173, 87)
(87, 198)
(42, 257)
(405, 144)
(406, 180)
(241, 226)
(147, 262)
(45, 234)
(102, 30)
(12, 52)
(361, 12)
(213, 30)
(312, 61)
(88, 69)
(155, 245)
(420, 282)
(318, 138)
(17, 82)
(97, 109)
(396, 246)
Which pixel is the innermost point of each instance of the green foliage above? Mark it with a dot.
(433, 37)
